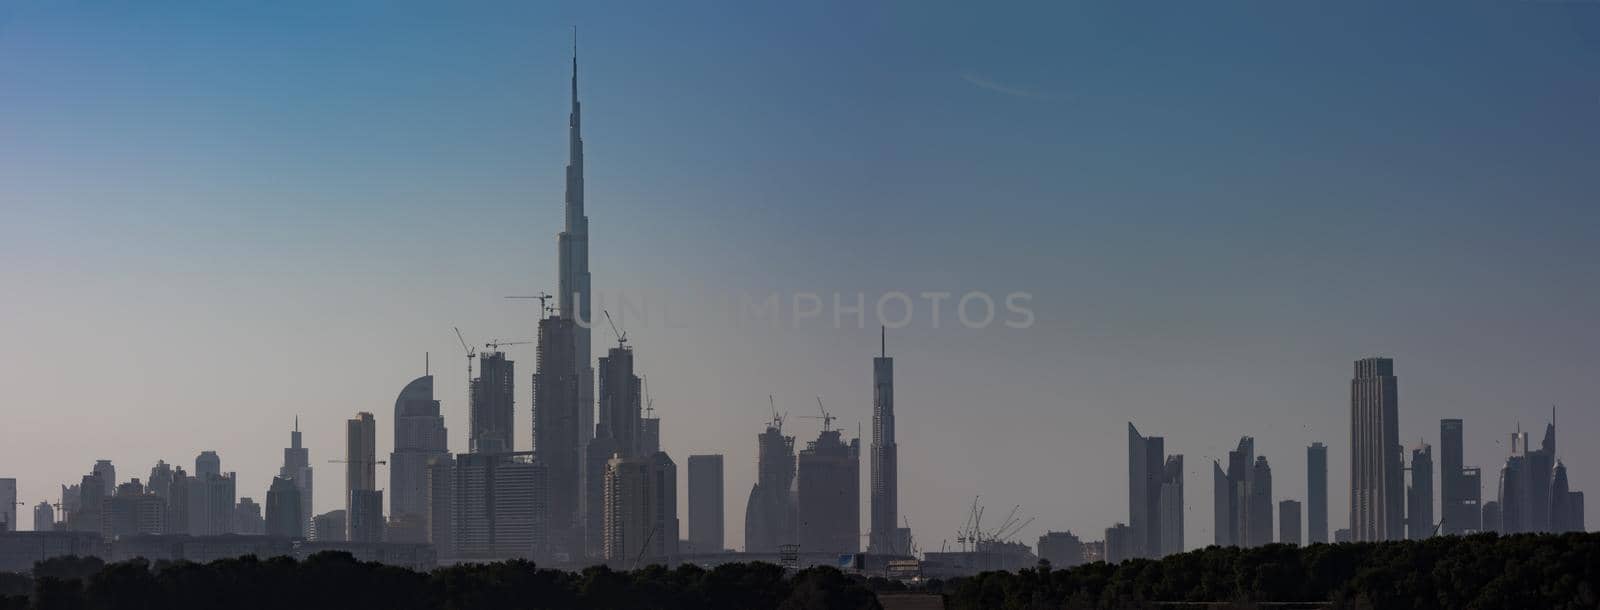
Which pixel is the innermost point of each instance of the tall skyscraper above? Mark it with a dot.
(769, 515)
(211, 500)
(283, 509)
(1533, 495)
(363, 501)
(419, 437)
(1377, 486)
(886, 536)
(1155, 495)
(1232, 506)
(206, 464)
(1259, 514)
(1289, 522)
(8, 505)
(441, 506)
(573, 257)
(297, 469)
(500, 506)
(247, 518)
(558, 436)
(492, 413)
(641, 506)
(1316, 493)
(1419, 497)
(1460, 488)
(108, 474)
(160, 481)
(178, 502)
(1221, 507)
(616, 434)
(705, 503)
(828, 499)
(44, 517)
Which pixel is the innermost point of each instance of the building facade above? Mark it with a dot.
(419, 438)
(705, 503)
(1316, 493)
(828, 502)
(1377, 486)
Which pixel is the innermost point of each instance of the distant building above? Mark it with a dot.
(20, 550)
(640, 511)
(283, 509)
(160, 482)
(8, 505)
(1377, 486)
(247, 518)
(329, 526)
(617, 433)
(1491, 516)
(705, 503)
(363, 502)
(1062, 549)
(1316, 493)
(1235, 515)
(207, 464)
(885, 536)
(44, 517)
(107, 474)
(1155, 496)
(1343, 535)
(297, 469)
(1460, 488)
(828, 501)
(178, 502)
(132, 511)
(492, 414)
(769, 516)
(559, 434)
(1120, 543)
(1289, 522)
(440, 517)
(1533, 494)
(419, 437)
(211, 500)
(1419, 496)
(500, 507)
(1260, 504)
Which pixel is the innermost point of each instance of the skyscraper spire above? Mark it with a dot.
(573, 295)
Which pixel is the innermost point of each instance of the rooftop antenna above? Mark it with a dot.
(883, 340)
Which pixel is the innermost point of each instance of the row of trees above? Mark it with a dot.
(337, 581)
(1480, 571)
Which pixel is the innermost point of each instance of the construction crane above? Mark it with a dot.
(495, 345)
(827, 418)
(777, 420)
(544, 303)
(471, 353)
(622, 337)
(378, 462)
(649, 403)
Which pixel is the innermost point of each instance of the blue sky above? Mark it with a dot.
(219, 215)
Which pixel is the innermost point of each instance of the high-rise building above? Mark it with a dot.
(616, 434)
(1258, 526)
(1120, 543)
(247, 518)
(210, 503)
(283, 509)
(1377, 503)
(107, 474)
(329, 526)
(705, 503)
(1155, 496)
(1289, 522)
(573, 298)
(769, 516)
(886, 536)
(492, 414)
(641, 522)
(500, 506)
(8, 505)
(441, 505)
(1460, 488)
(1316, 493)
(1221, 507)
(828, 502)
(1419, 497)
(44, 517)
(1233, 502)
(132, 511)
(1491, 516)
(1534, 494)
(1062, 549)
(558, 435)
(363, 502)
(207, 464)
(160, 481)
(178, 502)
(297, 469)
(419, 437)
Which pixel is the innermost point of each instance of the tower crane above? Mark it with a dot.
(622, 337)
(544, 306)
(377, 462)
(495, 345)
(470, 354)
(826, 417)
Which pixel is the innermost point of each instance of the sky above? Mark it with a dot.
(218, 216)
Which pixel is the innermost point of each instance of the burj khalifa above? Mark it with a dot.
(574, 299)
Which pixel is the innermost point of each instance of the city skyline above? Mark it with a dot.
(1186, 372)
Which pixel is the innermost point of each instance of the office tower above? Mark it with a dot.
(828, 502)
(419, 437)
(1528, 498)
(649, 433)
(85, 516)
(558, 436)
(247, 518)
(769, 516)
(363, 502)
(620, 405)
(492, 414)
(1316, 493)
(1289, 522)
(1231, 504)
(107, 474)
(1460, 488)
(131, 511)
(500, 503)
(207, 464)
(885, 536)
(1120, 543)
(1419, 497)
(160, 481)
(44, 517)
(1343, 535)
(1259, 514)
(1559, 501)
(210, 505)
(1540, 466)
(1377, 506)
(573, 299)
(705, 503)
(1491, 516)
(283, 509)
(297, 469)
(8, 505)
(1171, 507)
(1062, 549)
(329, 526)
(641, 522)
(1155, 496)
(178, 502)
(441, 499)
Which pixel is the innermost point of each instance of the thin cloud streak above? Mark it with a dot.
(1004, 89)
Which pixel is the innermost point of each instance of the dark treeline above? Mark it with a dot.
(337, 581)
(1481, 571)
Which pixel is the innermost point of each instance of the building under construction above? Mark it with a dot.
(769, 516)
(828, 500)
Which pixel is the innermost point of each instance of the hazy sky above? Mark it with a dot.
(215, 216)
